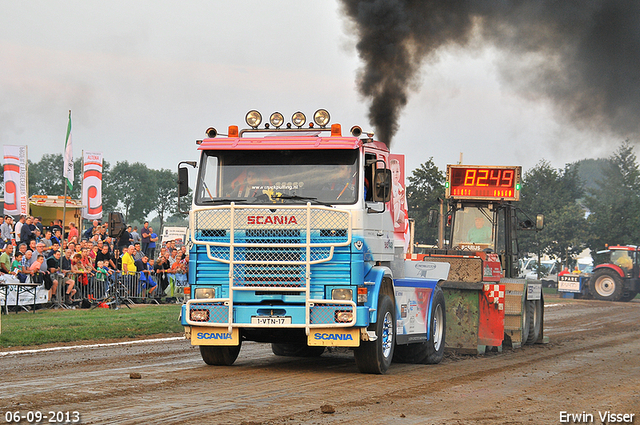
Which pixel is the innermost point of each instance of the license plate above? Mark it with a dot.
(270, 320)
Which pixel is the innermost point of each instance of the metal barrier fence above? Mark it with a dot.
(131, 288)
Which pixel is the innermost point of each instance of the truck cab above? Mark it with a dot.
(294, 241)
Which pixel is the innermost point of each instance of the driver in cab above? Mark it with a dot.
(480, 232)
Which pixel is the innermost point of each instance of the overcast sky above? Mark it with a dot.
(144, 79)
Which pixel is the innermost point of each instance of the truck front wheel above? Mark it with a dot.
(215, 355)
(606, 285)
(375, 356)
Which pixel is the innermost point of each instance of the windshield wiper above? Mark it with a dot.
(303, 198)
(222, 200)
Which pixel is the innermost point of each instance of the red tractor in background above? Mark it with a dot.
(618, 279)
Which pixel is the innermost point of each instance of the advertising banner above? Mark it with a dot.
(399, 200)
(92, 185)
(16, 196)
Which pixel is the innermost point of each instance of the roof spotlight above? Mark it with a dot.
(298, 119)
(321, 117)
(276, 119)
(253, 119)
(211, 132)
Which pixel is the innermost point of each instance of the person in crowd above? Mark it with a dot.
(48, 253)
(32, 245)
(124, 240)
(65, 269)
(81, 274)
(144, 237)
(73, 232)
(5, 259)
(91, 230)
(18, 227)
(16, 268)
(37, 222)
(34, 269)
(2, 242)
(26, 262)
(105, 256)
(26, 234)
(146, 279)
(6, 229)
(135, 236)
(56, 225)
(54, 266)
(173, 254)
(153, 239)
(138, 254)
(161, 267)
(56, 236)
(128, 262)
(47, 239)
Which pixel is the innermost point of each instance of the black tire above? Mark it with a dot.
(534, 313)
(527, 319)
(375, 356)
(216, 355)
(432, 351)
(606, 285)
(296, 350)
(628, 296)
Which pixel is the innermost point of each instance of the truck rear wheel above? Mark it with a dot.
(375, 356)
(431, 351)
(296, 350)
(606, 285)
(215, 355)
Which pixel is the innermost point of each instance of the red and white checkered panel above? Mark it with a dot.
(495, 294)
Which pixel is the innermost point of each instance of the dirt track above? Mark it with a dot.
(591, 365)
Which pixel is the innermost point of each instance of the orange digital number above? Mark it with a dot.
(470, 178)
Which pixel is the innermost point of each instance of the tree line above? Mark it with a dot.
(133, 189)
(586, 204)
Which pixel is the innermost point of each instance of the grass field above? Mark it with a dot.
(56, 326)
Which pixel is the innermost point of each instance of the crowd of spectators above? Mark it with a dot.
(39, 254)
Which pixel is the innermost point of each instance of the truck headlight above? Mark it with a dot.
(342, 294)
(343, 316)
(253, 119)
(204, 293)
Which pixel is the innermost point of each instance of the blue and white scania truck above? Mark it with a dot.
(298, 237)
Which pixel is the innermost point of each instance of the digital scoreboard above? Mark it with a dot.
(482, 182)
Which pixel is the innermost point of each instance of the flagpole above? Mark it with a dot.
(64, 176)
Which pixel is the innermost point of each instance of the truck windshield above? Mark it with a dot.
(473, 229)
(268, 176)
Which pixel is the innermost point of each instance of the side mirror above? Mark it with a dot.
(382, 185)
(183, 181)
(539, 221)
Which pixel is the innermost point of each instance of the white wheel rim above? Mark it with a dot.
(605, 286)
(387, 334)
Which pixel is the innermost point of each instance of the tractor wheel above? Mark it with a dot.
(375, 356)
(431, 351)
(628, 296)
(215, 355)
(534, 312)
(606, 285)
(296, 350)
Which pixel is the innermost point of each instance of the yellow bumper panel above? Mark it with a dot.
(334, 337)
(214, 336)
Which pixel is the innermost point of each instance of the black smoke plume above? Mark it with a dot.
(583, 56)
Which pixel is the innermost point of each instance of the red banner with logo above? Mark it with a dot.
(92, 185)
(16, 188)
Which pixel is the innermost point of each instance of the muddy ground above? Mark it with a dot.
(590, 366)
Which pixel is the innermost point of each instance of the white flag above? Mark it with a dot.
(68, 157)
